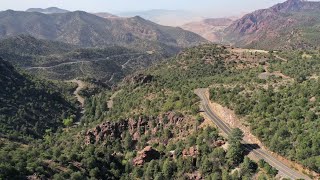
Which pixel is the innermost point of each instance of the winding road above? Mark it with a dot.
(89, 61)
(257, 152)
(81, 85)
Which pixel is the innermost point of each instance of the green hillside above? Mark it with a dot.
(156, 108)
(156, 111)
(30, 107)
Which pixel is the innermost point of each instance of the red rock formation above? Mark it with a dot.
(146, 155)
(136, 127)
(190, 152)
(104, 130)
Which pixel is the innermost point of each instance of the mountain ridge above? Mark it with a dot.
(49, 10)
(88, 30)
(288, 25)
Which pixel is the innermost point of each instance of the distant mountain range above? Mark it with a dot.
(165, 17)
(293, 24)
(210, 29)
(105, 15)
(88, 30)
(50, 10)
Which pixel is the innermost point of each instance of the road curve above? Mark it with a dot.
(81, 85)
(259, 153)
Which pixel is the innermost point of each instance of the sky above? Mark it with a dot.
(214, 7)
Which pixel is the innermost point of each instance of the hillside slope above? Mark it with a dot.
(29, 107)
(60, 61)
(274, 94)
(87, 30)
(293, 24)
(152, 131)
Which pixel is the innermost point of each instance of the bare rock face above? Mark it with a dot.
(146, 155)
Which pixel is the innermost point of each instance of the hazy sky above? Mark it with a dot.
(216, 7)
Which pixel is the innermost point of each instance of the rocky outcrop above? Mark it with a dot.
(146, 155)
(190, 152)
(135, 126)
(105, 130)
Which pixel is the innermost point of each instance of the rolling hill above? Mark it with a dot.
(293, 24)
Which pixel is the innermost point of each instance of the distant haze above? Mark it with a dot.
(208, 8)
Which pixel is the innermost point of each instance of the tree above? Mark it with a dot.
(128, 143)
(236, 136)
(168, 168)
(206, 165)
(76, 176)
(68, 122)
(137, 172)
(94, 172)
(234, 155)
(235, 152)
(248, 167)
(159, 176)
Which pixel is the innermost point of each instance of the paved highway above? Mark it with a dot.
(259, 153)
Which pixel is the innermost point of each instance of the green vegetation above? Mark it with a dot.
(283, 113)
(29, 106)
(59, 61)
